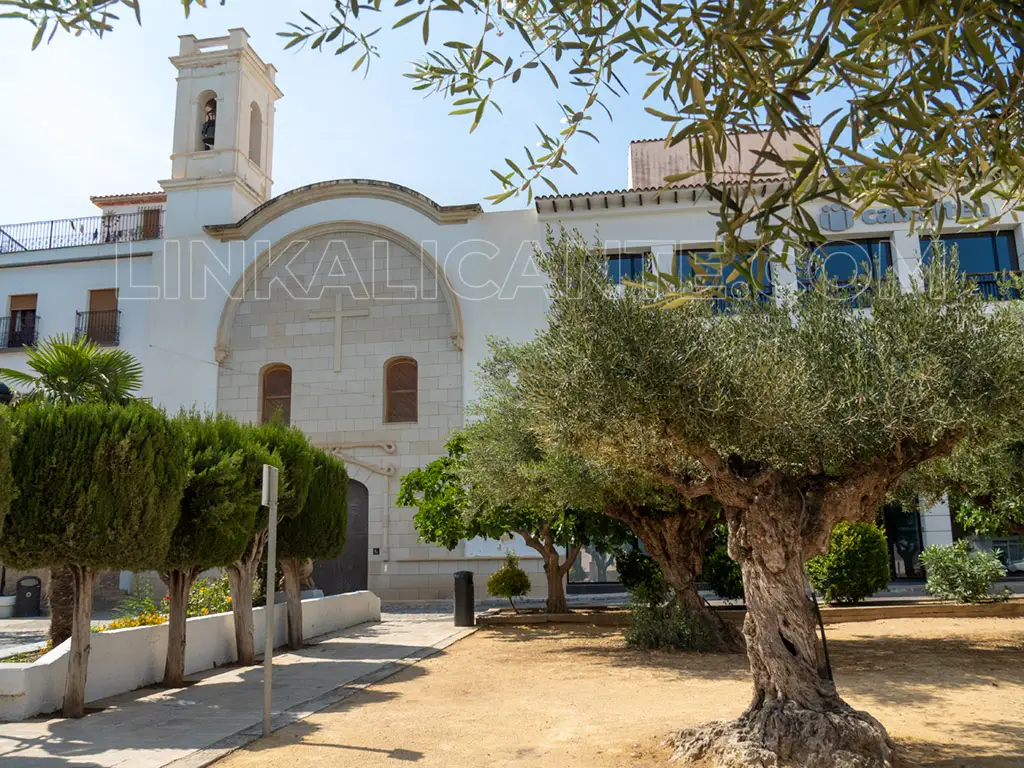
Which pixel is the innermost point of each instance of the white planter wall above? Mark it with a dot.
(126, 659)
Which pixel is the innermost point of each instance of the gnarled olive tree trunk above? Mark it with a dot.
(293, 574)
(677, 542)
(555, 568)
(796, 717)
(179, 582)
(81, 636)
(241, 575)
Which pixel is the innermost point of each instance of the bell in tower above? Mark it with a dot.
(209, 129)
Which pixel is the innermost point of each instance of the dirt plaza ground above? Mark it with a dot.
(950, 691)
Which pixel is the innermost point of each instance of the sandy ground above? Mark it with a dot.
(951, 692)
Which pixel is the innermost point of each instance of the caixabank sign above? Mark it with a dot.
(837, 217)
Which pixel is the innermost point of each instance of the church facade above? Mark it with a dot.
(359, 309)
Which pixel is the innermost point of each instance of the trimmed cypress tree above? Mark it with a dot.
(219, 512)
(99, 487)
(318, 531)
(291, 448)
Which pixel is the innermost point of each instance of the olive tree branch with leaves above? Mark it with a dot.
(930, 93)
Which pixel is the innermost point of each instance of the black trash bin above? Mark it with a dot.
(28, 597)
(465, 609)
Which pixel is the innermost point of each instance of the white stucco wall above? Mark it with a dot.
(62, 279)
(126, 659)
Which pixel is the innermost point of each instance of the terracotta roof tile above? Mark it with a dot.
(129, 198)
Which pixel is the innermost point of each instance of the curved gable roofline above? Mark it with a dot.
(330, 190)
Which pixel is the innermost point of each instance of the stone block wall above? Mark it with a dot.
(398, 311)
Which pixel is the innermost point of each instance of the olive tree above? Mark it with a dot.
(676, 529)
(983, 482)
(317, 532)
(458, 500)
(508, 463)
(792, 416)
(219, 510)
(903, 104)
(292, 452)
(99, 487)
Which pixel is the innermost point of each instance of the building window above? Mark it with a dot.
(401, 390)
(102, 322)
(152, 218)
(1010, 551)
(255, 132)
(22, 323)
(853, 265)
(276, 394)
(700, 266)
(981, 255)
(628, 266)
(206, 114)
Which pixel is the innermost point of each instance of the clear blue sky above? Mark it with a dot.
(84, 116)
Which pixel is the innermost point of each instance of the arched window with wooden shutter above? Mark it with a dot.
(401, 390)
(276, 389)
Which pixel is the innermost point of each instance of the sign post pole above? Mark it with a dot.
(270, 475)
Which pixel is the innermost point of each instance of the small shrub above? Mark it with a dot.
(642, 577)
(209, 596)
(666, 627)
(721, 572)
(509, 581)
(855, 566)
(206, 597)
(956, 573)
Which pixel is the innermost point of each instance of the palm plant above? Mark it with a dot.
(69, 370)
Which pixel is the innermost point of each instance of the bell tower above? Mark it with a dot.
(223, 126)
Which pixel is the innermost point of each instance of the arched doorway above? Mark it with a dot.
(350, 571)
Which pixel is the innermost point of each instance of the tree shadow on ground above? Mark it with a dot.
(920, 669)
(921, 754)
(201, 715)
(304, 733)
(887, 669)
(1004, 748)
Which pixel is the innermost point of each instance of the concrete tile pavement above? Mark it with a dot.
(222, 709)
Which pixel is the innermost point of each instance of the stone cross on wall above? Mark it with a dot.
(336, 315)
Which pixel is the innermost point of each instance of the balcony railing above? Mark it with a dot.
(90, 230)
(102, 327)
(995, 287)
(17, 332)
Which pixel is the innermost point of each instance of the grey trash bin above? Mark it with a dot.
(27, 597)
(465, 613)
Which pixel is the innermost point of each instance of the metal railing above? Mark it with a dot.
(90, 230)
(17, 332)
(103, 327)
(995, 287)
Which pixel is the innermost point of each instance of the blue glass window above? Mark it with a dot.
(699, 265)
(844, 261)
(983, 256)
(979, 253)
(628, 266)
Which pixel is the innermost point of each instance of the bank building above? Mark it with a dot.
(360, 309)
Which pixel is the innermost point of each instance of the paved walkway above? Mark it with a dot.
(221, 710)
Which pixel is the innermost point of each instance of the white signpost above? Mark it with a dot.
(269, 500)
